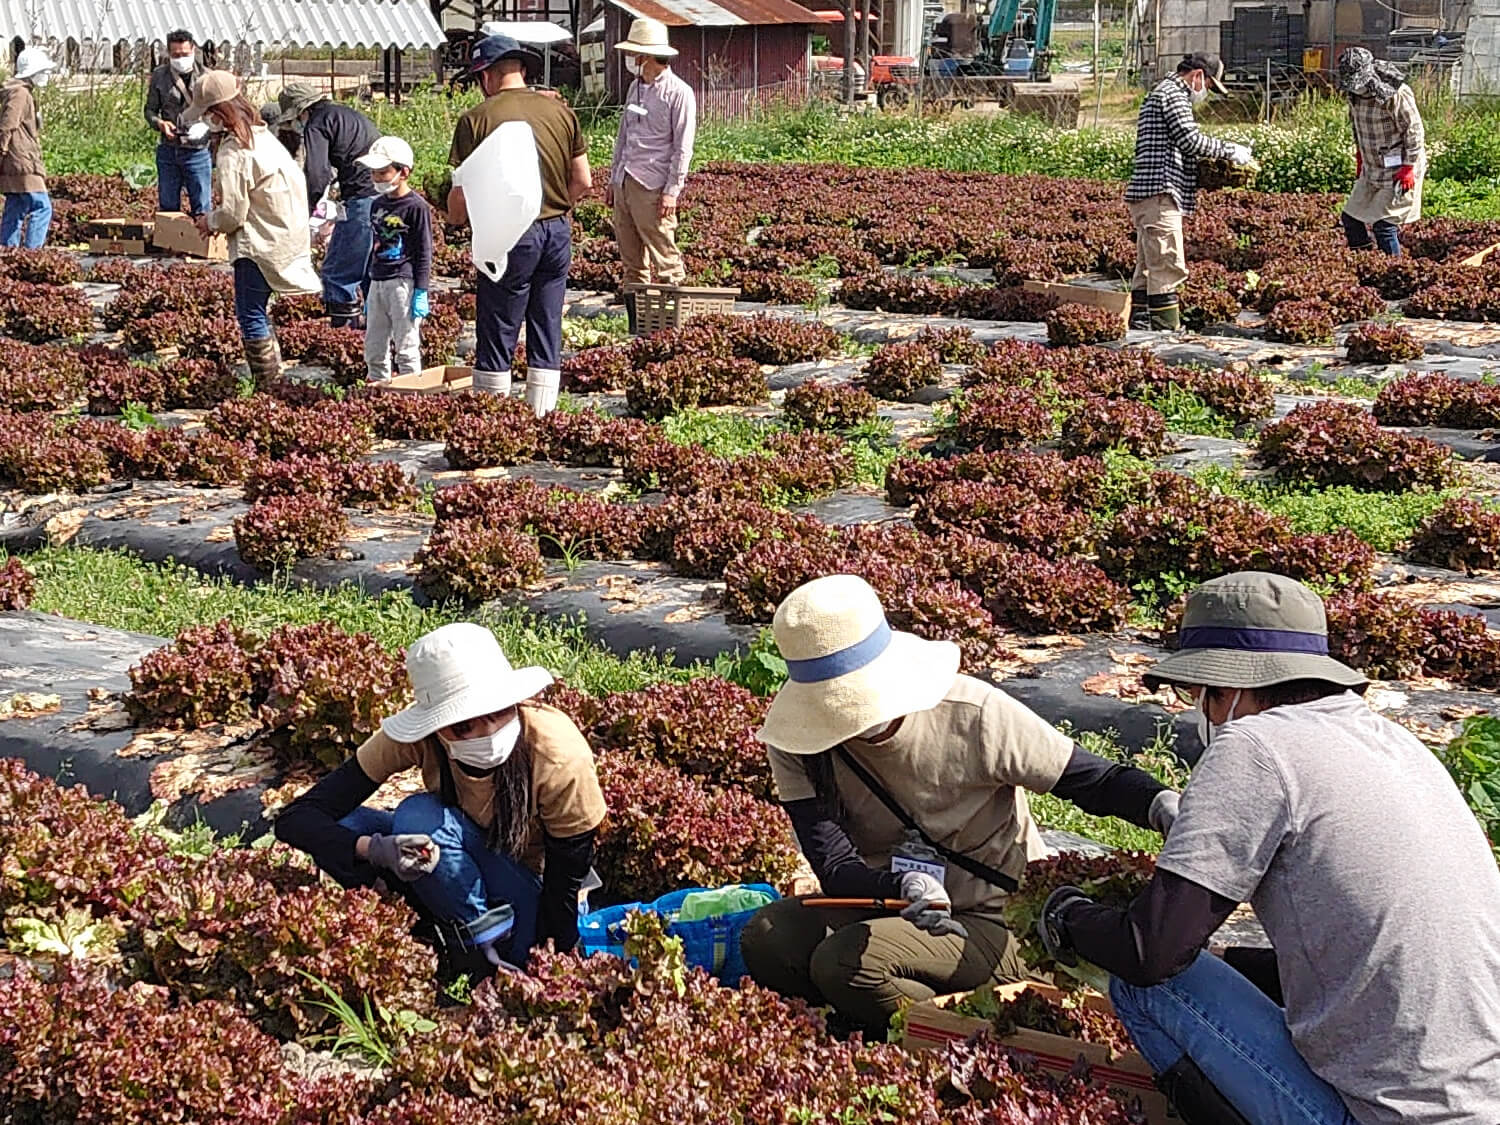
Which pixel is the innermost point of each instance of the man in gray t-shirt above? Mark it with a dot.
(1373, 880)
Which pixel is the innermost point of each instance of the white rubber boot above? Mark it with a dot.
(541, 390)
(493, 382)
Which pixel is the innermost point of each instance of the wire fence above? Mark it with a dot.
(741, 103)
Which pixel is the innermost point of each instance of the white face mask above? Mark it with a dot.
(632, 64)
(489, 751)
(41, 79)
(1206, 729)
(385, 187)
(183, 64)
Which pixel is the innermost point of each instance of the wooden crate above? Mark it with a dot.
(931, 1026)
(119, 236)
(1114, 300)
(433, 381)
(672, 306)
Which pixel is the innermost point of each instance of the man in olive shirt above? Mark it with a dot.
(536, 274)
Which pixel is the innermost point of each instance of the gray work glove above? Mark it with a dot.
(1163, 812)
(407, 857)
(930, 909)
(1052, 926)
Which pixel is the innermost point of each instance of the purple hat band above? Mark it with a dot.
(1254, 640)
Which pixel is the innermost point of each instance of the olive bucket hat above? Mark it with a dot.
(1252, 630)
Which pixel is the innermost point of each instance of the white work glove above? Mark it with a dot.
(930, 909)
(1163, 813)
(1240, 154)
(197, 131)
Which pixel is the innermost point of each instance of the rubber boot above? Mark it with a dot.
(630, 317)
(1166, 316)
(541, 390)
(1196, 1099)
(493, 382)
(1140, 315)
(263, 357)
(345, 314)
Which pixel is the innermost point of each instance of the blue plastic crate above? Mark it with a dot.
(712, 944)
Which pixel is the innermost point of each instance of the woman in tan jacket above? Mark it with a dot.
(23, 178)
(263, 210)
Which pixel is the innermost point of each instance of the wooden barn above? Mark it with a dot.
(736, 54)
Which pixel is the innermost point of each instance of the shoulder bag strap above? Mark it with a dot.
(967, 863)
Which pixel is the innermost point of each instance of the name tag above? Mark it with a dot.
(1393, 160)
(638, 110)
(901, 864)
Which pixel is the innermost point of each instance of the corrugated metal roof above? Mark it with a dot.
(719, 13)
(270, 23)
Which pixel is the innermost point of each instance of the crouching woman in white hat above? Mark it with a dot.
(906, 780)
(496, 849)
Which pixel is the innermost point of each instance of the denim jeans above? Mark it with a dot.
(252, 297)
(469, 877)
(348, 254)
(1238, 1038)
(33, 209)
(179, 168)
(532, 289)
(1387, 234)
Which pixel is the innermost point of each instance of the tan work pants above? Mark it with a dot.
(647, 238)
(867, 964)
(1160, 265)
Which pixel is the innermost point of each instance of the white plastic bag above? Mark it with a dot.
(502, 184)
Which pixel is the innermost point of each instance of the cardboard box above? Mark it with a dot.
(176, 234)
(434, 380)
(1112, 299)
(931, 1026)
(119, 236)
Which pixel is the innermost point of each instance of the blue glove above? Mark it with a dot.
(420, 307)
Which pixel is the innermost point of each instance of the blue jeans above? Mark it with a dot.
(1387, 234)
(348, 254)
(178, 167)
(1238, 1038)
(33, 209)
(532, 289)
(469, 877)
(252, 298)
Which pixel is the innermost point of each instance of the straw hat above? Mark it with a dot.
(215, 88)
(648, 37)
(457, 673)
(849, 670)
(1252, 630)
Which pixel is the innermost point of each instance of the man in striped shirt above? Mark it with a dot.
(1164, 186)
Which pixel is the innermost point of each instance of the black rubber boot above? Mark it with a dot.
(630, 318)
(345, 314)
(1165, 314)
(1196, 1099)
(1140, 314)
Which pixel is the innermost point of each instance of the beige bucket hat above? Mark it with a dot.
(458, 672)
(648, 37)
(1252, 629)
(848, 669)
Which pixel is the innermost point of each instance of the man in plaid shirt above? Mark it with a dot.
(1390, 153)
(1164, 186)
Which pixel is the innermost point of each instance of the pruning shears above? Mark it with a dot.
(893, 905)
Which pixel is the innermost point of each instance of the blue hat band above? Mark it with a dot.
(1254, 640)
(842, 662)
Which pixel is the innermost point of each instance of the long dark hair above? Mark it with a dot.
(819, 770)
(240, 119)
(510, 828)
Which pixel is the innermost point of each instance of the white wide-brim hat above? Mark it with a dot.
(847, 669)
(648, 37)
(458, 672)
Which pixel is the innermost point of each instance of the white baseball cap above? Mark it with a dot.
(33, 61)
(387, 151)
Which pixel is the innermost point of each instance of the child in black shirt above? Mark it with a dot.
(400, 263)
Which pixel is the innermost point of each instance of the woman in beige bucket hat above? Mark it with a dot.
(871, 721)
(495, 851)
(1379, 1001)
